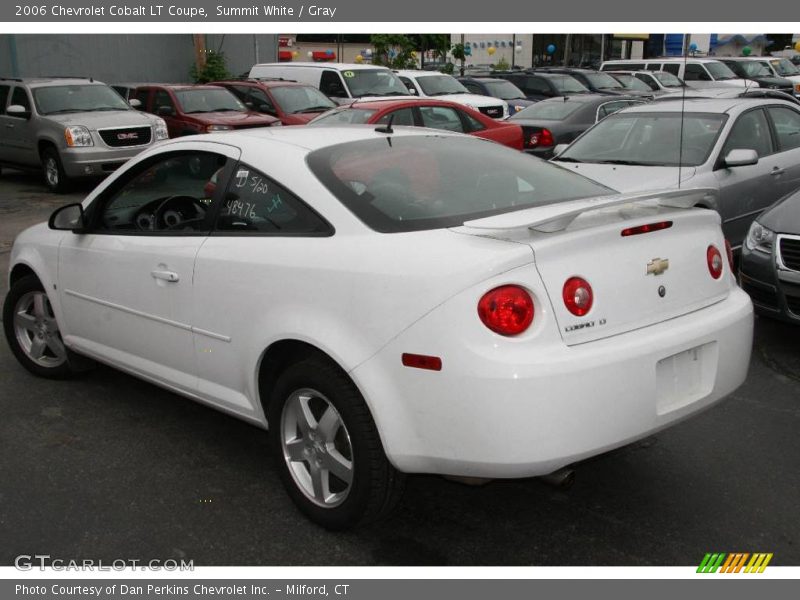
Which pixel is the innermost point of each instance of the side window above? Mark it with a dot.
(441, 117)
(534, 85)
(609, 108)
(242, 92)
(331, 84)
(162, 99)
(472, 123)
(171, 193)
(255, 203)
(412, 89)
(143, 96)
(696, 72)
(20, 96)
(653, 66)
(750, 132)
(4, 89)
(404, 116)
(261, 102)
(787, 127)
(648, 79)
(473, 88)
(673, 68)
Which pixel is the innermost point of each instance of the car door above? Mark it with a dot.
(5, 147)
(125, 284)
(262, 244)
(441, 117)
(401, 116)
(164, 107)
(19, 130)
(747, 190)
(785, 123)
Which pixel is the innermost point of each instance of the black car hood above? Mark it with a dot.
(773, 82)
(784, 215)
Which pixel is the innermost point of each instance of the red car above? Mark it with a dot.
(424, 112)
(191, 109)
(293, 103)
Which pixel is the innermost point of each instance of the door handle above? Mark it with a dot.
(777, 171)
(169, 276)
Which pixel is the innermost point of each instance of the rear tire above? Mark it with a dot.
(54, 176)
(33, 333)
(329, 454)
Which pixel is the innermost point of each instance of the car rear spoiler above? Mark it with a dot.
(557, 217)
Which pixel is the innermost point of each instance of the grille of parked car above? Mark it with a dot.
(129, 136)
(790, 252)
(494, 112)
(793, 302)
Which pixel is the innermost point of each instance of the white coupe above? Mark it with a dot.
(388, 301)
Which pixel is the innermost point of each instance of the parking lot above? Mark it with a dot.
(107, 467)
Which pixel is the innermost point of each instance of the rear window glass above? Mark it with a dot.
(548, 111)
(344, 116)
(412, 183)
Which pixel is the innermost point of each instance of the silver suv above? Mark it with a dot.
(71, 128)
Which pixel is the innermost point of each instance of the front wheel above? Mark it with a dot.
(33, 333)
(54, 175)
(325, 442)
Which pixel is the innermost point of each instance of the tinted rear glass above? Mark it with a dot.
(411, 183)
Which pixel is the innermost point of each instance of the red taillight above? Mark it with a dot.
(507, 310)
(729, 252)
(578, 296)
(541, 138)
(714, 259)
(421, 361)
(646, 228)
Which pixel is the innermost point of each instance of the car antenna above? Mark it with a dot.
(388, 128)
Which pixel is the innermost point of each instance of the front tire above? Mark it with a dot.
(54, 176)
(33, 333)
(327, 447)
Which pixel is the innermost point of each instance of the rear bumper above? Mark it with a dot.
(539, 407)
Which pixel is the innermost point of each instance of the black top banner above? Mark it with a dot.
(209, 11)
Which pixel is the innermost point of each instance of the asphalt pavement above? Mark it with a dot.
(109, 467)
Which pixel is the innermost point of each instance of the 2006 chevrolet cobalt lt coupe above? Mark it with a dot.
(388, 301)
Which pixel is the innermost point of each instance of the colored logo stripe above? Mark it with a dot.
(734, 562)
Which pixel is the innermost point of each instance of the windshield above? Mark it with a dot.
(55, 99)
(297, 99)
(784, 67)
(440, 85)
(202, 100)
(548, 110)
(603, 81)
(667, 79)
(719, 71)
(505, 90)
(630, 82)
(568, 84)
(344, 116)
(648, 139)
(753, 69)
(374, 82)
(411, 183)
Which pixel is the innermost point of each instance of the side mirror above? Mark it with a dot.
(137, 104)
(559, 149)
(68, 218)
(165, 111)
(17, 110)
(741, 157)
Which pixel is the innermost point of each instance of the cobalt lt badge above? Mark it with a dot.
(662, 291)
(657, 266)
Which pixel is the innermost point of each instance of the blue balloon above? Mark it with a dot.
(329, 52)
(693, 47)
(551, 48)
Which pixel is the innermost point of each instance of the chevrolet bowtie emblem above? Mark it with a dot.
(657, 266)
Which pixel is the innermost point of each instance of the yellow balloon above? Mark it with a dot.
(491, 50)
(295, 54)
(359, 59)
(797, 46)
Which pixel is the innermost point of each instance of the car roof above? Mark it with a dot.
(47, 81)
(418, 73)
(704, 105)
(591, 98)
(383, 103)
(484, 79)
(181, 86)
(744, 58)
(265, 82)
(311, 138)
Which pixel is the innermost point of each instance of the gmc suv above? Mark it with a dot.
(71, 128)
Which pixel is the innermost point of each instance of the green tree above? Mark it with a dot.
(502, 64)
(459, 54)
(214, 69)
(393, 50)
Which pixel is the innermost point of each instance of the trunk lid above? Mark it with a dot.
(637, 280)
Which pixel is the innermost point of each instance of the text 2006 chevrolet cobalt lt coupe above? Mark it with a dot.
(388, 302)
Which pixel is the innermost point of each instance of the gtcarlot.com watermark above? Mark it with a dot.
(29, 562)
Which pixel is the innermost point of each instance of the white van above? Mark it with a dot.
(339, 81)
(696, 72)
